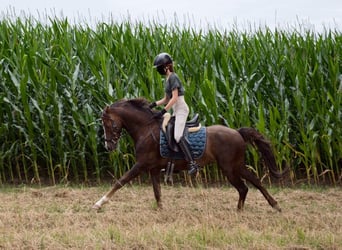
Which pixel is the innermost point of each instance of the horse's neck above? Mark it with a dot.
(136, 124)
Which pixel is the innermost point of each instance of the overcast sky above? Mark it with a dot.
(313, 14)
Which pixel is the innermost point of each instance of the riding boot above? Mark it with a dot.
(185, 147)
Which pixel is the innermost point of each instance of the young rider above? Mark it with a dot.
(174, 99)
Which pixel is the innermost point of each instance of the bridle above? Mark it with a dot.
(115, 128)
(117, 131)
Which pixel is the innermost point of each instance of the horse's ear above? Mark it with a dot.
(105, 110)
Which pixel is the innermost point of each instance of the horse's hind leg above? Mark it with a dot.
(240, 186)
(252, 178)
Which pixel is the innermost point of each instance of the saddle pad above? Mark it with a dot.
(197, 142)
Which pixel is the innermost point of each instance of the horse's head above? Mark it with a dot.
(133, 115)
(112, 127)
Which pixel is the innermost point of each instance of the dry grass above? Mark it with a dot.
(192, 218)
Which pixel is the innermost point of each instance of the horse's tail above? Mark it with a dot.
(257, 140)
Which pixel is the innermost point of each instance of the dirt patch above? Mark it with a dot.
(192, 218)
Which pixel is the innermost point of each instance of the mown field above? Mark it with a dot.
(192, 218)
(56, 77)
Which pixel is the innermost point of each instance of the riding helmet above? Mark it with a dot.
(162, 59)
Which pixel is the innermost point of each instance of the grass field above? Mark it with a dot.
(192, 218)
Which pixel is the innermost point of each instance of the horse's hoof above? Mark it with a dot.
(277, 207)
(96, 207)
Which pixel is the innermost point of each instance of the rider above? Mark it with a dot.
(174, 99)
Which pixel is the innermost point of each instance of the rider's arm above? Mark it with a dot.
(173, 99)
(162, 101)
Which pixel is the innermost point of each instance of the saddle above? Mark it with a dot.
(168, 127)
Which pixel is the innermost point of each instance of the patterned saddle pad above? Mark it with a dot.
(197, 142)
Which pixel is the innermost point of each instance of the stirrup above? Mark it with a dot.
(193, 168)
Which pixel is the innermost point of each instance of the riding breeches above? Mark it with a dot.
(181, 112)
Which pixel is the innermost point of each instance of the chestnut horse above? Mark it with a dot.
(224, 146)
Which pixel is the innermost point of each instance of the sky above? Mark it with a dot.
(223, 14)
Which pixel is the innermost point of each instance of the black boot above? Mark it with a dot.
(185, 147)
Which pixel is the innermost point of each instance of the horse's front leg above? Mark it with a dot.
(155, 176)
(127, 177)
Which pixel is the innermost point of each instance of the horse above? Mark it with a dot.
(224, 146)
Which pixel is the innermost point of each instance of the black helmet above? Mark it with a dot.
(162, 59)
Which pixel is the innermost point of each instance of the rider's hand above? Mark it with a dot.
(159, 114)
(152, 105)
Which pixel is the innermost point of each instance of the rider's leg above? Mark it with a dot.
(181, 112)
(185, 147)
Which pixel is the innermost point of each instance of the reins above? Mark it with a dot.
(148, 123)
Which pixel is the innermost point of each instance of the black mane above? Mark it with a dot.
(138, 103)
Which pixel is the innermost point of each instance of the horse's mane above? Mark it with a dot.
(137, 103)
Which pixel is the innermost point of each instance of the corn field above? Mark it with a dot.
(57, 77)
